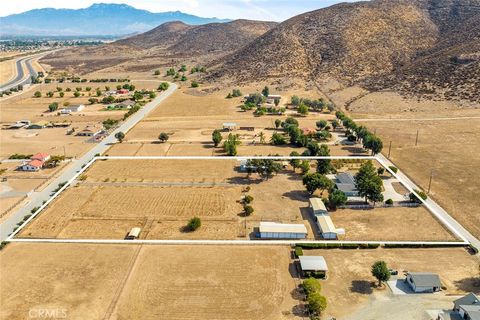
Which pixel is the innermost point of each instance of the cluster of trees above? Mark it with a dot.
(368, 183)
(198, 69)
(265, 168)
(355, 132)
(317, 303)
(230, 145)
(109, 123)
(234, 94)
(131, 111)
(297, 137)
(216, 137)
(305, 104)
(247, 208)
(262, 110)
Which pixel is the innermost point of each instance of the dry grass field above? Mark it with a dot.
(80, 279)
(395, 224)
(131, 282)
(160, 196)
(348, 287)
(449, 148)
(7, 70)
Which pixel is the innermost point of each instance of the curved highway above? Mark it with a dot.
(21, 78)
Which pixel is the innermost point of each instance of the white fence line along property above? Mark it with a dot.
(11, 237)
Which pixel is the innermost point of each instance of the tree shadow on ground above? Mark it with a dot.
(356, 150)
(298, 195)
(361, 286)
(243, 180)
(471, 284)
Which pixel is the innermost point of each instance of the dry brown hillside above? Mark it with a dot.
(171, 39)
(375, 43)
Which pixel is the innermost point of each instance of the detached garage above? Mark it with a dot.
(422, 282)
(273, 230)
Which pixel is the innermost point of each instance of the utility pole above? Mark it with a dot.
(389, 149)
(416, 139)
(430, 181)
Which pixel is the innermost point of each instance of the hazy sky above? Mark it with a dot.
(277, 10)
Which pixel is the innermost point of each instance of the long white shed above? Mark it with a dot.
(274, 230)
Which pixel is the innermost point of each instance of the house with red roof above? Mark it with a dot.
(35, 163)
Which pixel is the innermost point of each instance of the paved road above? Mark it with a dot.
(36, 199)
(21, 78)
(439, 211)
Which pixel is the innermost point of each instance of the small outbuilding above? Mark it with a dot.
(133, 234)
(423, 282)
(326, 226)
(318, 206)
(229, 126)
(313, 266)
(274, 230)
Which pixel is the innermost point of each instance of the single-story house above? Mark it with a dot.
(313, 266)
(61, 124)
(274, 230)
(41, 156)
(17, 125)
(89, 132)
(468, 307)
(229, 126)
(32, 165)
(423, 282)
(345, 182)
(127, 104)
(123, 91)
(271, 98)
(318, 206)
(72, 108)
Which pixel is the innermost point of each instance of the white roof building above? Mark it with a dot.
(274, 230)
(313, 263)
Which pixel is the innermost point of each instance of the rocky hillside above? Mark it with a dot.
(380, 43)
(169, 40)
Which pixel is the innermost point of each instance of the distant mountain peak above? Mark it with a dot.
(97, 19)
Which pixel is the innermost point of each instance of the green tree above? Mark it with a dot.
(137, 96)
(88, 89)
(261, 135)
(372, 142)
(157, 72)
(278, 123)
(295, 163)
(229, 96)
(50, 94)
(248, 210)
(37, 94)
(305, 166)
(316, 303)
(265, 91)
(321, 124)
(316, 181)
(53, 106)
(324, 166)
(296, 101)
(380, 271)
(194, 84)
(152, 95)
(335, 124)
(277, 139)
(163, 137)
(311, 285)
(98, 92)
(183, 78)
(230, 145)
(336, 198)
(61, 94)
(216, 137)
(368, 183)
(194, 224)
(76, 94)
(183, 68)
(303, 109)
(276, 101)
(120, 136)
(248, 199)
(163, 86)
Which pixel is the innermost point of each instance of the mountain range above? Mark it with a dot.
(98, 19)
(419, 47)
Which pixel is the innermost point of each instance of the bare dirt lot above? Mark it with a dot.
(129, 282)
(396, 224)
(348, 287)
